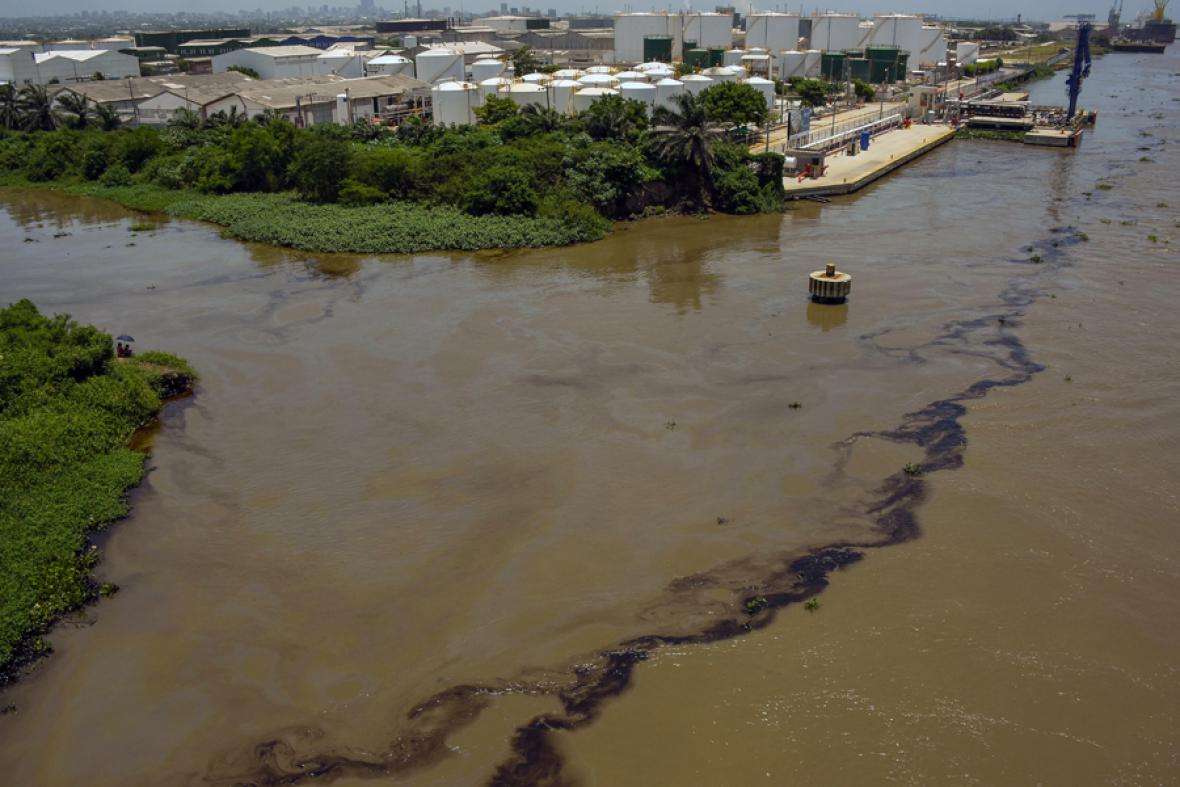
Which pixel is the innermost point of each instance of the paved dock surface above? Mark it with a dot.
(887, 152)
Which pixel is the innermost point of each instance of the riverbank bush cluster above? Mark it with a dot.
(67, 411)
(560, 178)
(983, 67)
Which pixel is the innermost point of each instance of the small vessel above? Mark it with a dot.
(1127, 45)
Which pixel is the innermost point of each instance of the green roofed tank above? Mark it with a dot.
(831, 65)
(696, 58)
(657, 48)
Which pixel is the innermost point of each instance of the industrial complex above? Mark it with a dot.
(917, 69)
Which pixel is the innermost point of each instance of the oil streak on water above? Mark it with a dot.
(429, 483)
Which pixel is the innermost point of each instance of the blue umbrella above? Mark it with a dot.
(123, 338)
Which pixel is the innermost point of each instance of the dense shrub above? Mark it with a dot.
(135, 146)
(605, 175)
(67, 410)
(355, 193)
(116, 175)
(51, 156)
(504, 190)
(319, 169)
(389, 169)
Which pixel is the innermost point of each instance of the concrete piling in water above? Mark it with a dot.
(829, 285)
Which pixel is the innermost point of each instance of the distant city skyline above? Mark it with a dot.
(984, 9)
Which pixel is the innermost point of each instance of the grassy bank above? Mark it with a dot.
(520, 177)
(68, 409)
(282, 219)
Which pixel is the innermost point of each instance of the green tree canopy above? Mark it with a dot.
(734, 104)
(319, 169)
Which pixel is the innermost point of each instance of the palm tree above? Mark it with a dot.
(541, 119)
(75, 109)
(687, 137)
(614, 117)
(10, 111)
(36, 107)
(220, 118)
(107, 117)
(185, 118)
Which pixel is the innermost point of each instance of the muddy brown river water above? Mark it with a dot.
(444, 519)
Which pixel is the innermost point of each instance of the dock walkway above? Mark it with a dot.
(846, 174)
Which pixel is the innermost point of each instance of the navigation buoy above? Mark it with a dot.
(829, 285)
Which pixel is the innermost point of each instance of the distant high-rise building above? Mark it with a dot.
(368, 5)
(552, 13)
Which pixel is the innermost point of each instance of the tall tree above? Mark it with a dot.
(75, 109)
(185, 118)
(10, 109)
(107, 117)
(525, 61)
(685, 136)
(36, 106)
(613, 117)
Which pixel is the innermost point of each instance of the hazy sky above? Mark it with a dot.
(1042, 9)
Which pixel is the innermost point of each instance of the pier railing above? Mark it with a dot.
(825, 137)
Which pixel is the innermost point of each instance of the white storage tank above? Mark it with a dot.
(493, 85)
(732, 57)
(772, 31)
(454, 103)
(567, 73)
(525, 93)
(812, 63)
(389, 64)
(835, 32)
(639, 91)
(588, 95)
(631, 76)
(600, 70)
(710, 31)
(439, 65)
(696, 83)
(656, 70)
(724, 73)
(966, 52)
(537, 78)
(561, 94)
(792, 64)
(756, 63)
(598, 80)
(666, 89)
(486, 69)
(932, 49)
(765, 87)
(631, 29)
(903, 31)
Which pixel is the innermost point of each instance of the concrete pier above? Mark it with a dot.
(846, 174)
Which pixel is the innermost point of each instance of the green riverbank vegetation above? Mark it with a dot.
(518, 178)
(68, 410)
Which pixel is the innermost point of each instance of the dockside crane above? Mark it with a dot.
(1081, 63)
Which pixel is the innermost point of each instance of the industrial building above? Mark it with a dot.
(127, 96)
(276, 62)
(665, 36)
(773, 32)
(400, 26)
(517, 24)
(22, 66)
(172, 39)
(328, 99)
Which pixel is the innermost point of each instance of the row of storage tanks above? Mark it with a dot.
(570, 91)
(646, 36)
